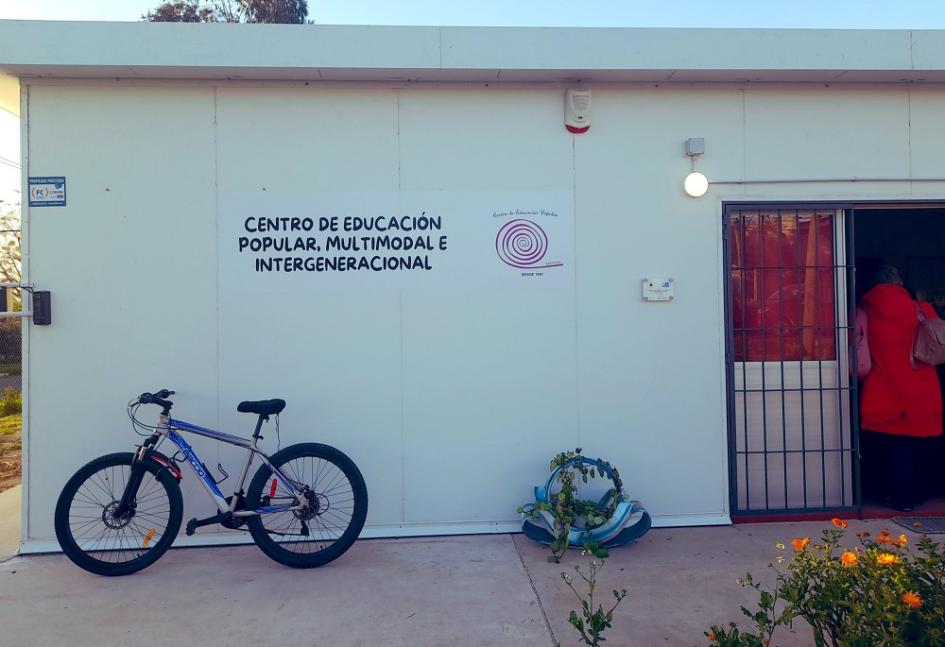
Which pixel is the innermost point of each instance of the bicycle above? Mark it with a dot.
(304, 507)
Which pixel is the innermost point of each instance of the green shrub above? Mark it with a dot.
(878, 593)
(11, 401)
(593, 620)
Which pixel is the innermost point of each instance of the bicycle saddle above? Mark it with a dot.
(261, 407)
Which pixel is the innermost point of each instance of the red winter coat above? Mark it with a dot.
(897, 398)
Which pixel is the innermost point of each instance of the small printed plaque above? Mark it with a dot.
(47, 191)
(659, 288)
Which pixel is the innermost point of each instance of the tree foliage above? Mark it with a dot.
(234, 11)
(10, 252)
(10, 269)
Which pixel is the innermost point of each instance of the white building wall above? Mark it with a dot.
(132, 260)
(425, 389)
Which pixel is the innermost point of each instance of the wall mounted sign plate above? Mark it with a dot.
(659, 288)
(47, 191)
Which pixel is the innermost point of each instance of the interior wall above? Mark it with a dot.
(911, 240)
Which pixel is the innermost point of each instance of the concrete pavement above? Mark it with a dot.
(680, 582)
(456, 591)
(10, 503)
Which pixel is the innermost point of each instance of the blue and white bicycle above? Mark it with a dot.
(304, 507)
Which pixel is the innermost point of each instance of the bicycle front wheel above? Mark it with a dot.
(97, 539)
(337, 508)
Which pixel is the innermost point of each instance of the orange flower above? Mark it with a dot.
(912, 599)
(839, 523)
(884, 532)
(711, 635)
(887, 559)
(883, 539)
(903, 540)
(848, 558)
(800, 544)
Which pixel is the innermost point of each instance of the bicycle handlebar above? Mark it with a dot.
(158, 398)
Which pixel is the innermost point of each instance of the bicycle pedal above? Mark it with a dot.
(195, 523)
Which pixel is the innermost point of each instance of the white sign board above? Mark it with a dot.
(396, 240)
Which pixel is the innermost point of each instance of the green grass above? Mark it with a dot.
(10, 425)
(11, 446)
(11, 402)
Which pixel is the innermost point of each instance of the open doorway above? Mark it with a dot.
(912, 240)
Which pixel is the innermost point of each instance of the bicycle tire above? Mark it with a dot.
(90, 496)
(336, 529)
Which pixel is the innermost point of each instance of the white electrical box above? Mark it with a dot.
(659, 288)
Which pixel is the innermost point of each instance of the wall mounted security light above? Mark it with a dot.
(696, 184)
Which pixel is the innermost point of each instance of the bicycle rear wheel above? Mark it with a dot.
(338, 506)
(93, 537)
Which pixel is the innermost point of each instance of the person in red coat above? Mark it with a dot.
(901, 402)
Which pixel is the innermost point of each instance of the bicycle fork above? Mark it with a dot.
(127, 503)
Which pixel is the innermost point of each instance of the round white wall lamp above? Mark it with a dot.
(696, 184)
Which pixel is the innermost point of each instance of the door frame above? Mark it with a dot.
(849, 209)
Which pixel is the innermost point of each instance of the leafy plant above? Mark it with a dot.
(592, 622)
(877, 593)
(766, 620)
(566, 508)
(11, 251)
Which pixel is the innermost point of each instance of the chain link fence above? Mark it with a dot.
(11, 367)
(11, 348)
(11, 352)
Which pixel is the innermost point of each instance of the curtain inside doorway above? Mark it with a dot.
(782, 277)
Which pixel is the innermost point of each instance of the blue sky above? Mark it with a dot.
(9, 152)
(909, 14)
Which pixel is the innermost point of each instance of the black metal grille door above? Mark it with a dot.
(791, 440)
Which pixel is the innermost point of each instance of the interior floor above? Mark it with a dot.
(913, 241)
(876, 509)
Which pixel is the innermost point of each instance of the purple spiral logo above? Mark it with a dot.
(522, 244)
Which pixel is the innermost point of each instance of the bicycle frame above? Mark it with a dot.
(169, 427)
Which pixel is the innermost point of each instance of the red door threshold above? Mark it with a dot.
(792, 516)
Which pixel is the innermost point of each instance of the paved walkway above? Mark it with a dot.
(457, 591)
(10, 521)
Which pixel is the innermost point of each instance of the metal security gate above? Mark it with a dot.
(792, 440)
